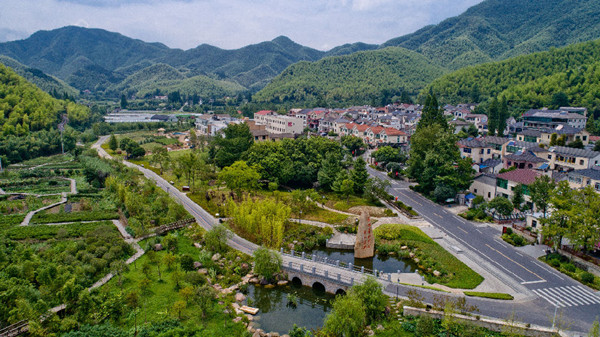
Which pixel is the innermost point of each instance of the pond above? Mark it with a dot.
(275, 315)
(385, 264)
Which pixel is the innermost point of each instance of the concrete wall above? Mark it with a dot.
(488, 323)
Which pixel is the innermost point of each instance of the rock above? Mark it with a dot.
(216, 257)
(197, 265)
(379, 327)
(158, 247)
(290, 246)
(295, 241)
(197, 245)
(217, 287)
(404, 247)
(263, 282)
(285, 335)
(364, 246)
(417, 260)
(226, 311)
(269, 286)
(239, 297)
(254, 280)
(250, 318)
(238, 258)
(436, 273)
(235, 306)
(244, 266)
(237, 319)
(282, 283)
(256, 334)
(203, 271)
(274, 334)
(411, 255)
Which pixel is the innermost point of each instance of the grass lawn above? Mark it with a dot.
(344, 204)
(496, 296)
(158, 297)
(431, 256)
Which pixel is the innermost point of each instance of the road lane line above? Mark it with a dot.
(515, 262)
(462, 229)
(534, 282)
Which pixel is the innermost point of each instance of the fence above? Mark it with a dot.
(348, 268)
(15, 329)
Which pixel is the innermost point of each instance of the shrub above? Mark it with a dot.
(569, 267)
(186, 262)
(587, 277)
(555, 263)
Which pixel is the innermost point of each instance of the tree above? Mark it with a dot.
(501, 205)
(263, 219)
(229, 149)
(347, 318)
(267, 263)
(518, 198)
(595, 329)
(376, 188)
(160, 156)
(584, 229)
(372, 297)
(178, 307)
(354, 144)
(559, 99)
(553, 139)
(113, 144)
(493, 117)
(330, 166)
(203, 297)
(343, 185)
(576, 144)
(556, 226)
(432, 114)
(118, 267)
(443, 192)
(123, 101)
(133, 302)
(359, 175)
(186, 262)
(590, 125)
(503, 115)
(386, 154)
(239, 176)
(216, 238)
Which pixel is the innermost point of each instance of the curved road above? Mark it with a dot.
(578, 304)
(522, 273)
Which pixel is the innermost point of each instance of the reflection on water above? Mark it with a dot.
(275, 314)
(386, 264)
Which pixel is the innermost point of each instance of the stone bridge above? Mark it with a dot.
(331, 276)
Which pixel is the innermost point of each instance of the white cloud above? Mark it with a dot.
(185, 24)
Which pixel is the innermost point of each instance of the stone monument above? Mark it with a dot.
(365, 241)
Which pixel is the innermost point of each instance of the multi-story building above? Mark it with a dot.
(562, 158)
(507, 182)
(553, 118)
(583, 178)
(278, 124)
(477, 149)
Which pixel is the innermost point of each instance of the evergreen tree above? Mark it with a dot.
(328, 172)
(432, 114)
(123, 102)
(502, 117)
(405, 98)
(360, 175)
(590, 125)
(113, 144)
(493, 117)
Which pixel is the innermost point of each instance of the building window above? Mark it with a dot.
(503, 183)
(533, 223)
(489, 194)
(475, 190)
(580, 161)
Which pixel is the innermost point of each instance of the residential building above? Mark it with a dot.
(485, 186)
(552, 119)
(562, 158)
(570, 133)
(583, 178)
(523, 160)
(507, 182)
(279, 124)
(477, 149)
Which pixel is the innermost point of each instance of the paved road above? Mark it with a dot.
(523, 273)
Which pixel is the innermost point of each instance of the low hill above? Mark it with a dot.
(49, 84)
(356, 78)
(529, 81)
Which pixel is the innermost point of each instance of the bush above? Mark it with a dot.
(587, 277)
(569, 267)
(186, 262)
(554, 263)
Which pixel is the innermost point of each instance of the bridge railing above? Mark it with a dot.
(357, 272)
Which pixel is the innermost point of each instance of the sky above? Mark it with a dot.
(231, 24)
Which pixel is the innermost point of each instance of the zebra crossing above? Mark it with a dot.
(570, 296)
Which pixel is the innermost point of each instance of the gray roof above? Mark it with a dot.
(469, 142)
(491, 162)
(486, 178)
(563, 130)
(532, 133)
(569, 151)
(551, 114)
(589, 173)
(528, 157)
(496, 140)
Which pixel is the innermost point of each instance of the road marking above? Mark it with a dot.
(521, 255)
(534, 282)
(515, 262)
(568, 296)
(439, 216)
(462, 229)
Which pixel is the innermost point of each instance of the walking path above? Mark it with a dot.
(29, 216)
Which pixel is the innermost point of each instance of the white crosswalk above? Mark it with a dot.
(571, 296)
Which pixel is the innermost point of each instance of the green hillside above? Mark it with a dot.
(529, 81)
(103, 61)
(49, 84)
(29, 118)
(357, 78)
(499, 29)
(490, 31)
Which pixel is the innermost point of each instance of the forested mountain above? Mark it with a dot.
(499, 29)
(99, 60)
(44, 81)
(361, 77)
(29, 118)
(529, 81)
(490, 31)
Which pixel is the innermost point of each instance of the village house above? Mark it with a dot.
(507, 182)
(477, 149)
(279, 124)
(484, 185)
(579, 179)
(544, 118)
(562, 158)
